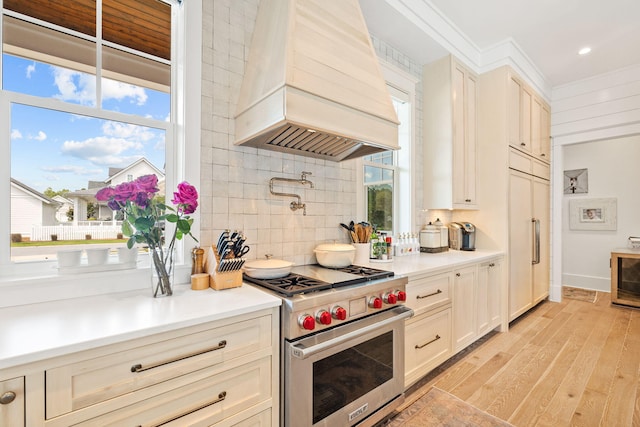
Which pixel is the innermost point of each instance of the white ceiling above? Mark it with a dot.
(548, 32)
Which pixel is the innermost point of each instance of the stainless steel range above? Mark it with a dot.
(342, 344)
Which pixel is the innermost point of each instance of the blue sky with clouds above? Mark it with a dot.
(60, 150)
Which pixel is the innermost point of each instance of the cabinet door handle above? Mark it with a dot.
(467, 200)
(542, 155)
(536, 241)
(7, 397)
(429, 295)
(139, 368)
(523, 144)
(221, 397)
(457, 274)
(418, 347)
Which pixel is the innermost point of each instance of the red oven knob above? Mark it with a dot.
(339, 313)
(402, 296)
(307, 322)
(324, 317)
(390, 298)
(375, 302)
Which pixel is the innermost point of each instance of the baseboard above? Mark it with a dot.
(602, 284)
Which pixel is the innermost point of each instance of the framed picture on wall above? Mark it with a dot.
(593, 214)
(576, 181)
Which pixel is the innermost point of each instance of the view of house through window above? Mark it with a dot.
(85, 112)
(381, 177)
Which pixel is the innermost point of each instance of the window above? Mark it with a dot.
(387, 198)
(379, 183)
(89, 99)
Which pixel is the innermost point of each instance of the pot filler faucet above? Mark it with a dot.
(297, 204)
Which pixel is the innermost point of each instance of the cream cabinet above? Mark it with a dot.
(514, 213)
(529, 120)
(450, 128)
(12, 409)
(465, 307)
(428, 332)
(216, 373)
(489, 295)
(528, 242)
(520, 109)
(427, 343)
(452, 309)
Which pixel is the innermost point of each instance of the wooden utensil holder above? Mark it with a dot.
(224, 280)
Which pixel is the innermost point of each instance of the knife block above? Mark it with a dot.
(224, 280)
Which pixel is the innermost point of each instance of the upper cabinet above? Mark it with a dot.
(528, 120)
(450, 96)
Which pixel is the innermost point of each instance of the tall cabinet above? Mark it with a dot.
(514, 160)
(450, 134)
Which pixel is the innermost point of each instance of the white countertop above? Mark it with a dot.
(40, 331)
(424, 263)
(36, 332)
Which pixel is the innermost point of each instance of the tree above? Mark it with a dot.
(49, 192)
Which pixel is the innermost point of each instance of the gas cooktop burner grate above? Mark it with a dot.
(372, 273)
(290, 285)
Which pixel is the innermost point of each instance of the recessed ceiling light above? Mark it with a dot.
(584, 51)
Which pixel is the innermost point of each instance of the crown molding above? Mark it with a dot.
(434, 24)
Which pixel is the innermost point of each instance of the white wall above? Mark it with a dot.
(602, 107)
(612, 171)
(595, 125)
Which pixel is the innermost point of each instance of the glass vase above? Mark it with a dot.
(162, 270)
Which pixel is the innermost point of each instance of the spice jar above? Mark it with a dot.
(197, 260)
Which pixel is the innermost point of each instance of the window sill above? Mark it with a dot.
(21, 290)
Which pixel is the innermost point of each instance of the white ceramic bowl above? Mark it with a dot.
(634, 242)
(69, 258)
(267, 268)
(97, 256)
(335, 255)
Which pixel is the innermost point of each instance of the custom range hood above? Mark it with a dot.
(313, 84)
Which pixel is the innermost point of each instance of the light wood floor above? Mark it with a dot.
(573, 363)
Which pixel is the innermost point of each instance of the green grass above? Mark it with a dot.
(65, 242)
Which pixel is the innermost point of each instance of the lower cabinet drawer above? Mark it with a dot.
(99, 379)
(201, 403)
(425, 293)
(427, 344)
(12, 410)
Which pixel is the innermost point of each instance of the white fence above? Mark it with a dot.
(98, 230)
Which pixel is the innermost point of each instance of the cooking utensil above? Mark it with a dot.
(239, 253)
(268, 268)
(350, 231)
(335, 255)
(223, 237)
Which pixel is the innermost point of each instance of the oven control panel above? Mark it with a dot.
(325, 316)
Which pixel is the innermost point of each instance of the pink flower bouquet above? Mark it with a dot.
(144, 217)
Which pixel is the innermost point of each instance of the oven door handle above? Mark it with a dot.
(307, 347)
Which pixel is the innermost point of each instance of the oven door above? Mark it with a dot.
(341, 376)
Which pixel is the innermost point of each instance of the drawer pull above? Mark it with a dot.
(140, 368)
(428, 342)
(429, 295)
(7, 398)
(221, 397)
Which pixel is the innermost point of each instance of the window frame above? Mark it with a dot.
(182, 149)
(404, 191)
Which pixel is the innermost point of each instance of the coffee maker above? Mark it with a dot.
(462, 236)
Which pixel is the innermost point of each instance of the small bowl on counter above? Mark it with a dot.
(335, 255)
(267, 268)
